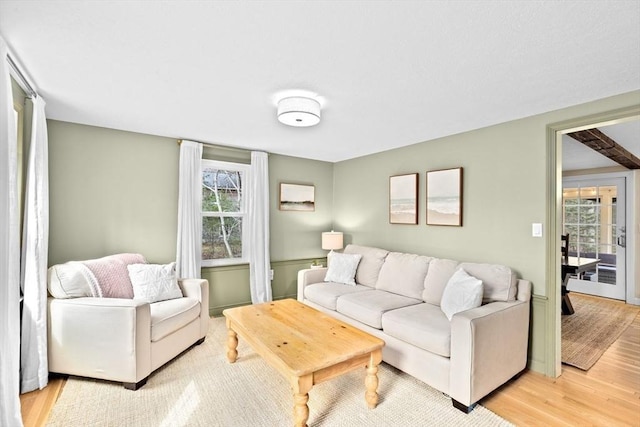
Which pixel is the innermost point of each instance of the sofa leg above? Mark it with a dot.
(462, 407)
(135, 386)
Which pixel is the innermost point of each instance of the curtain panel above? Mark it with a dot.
(34, 372)
(258, 209)
(189, 250)
(9, 254)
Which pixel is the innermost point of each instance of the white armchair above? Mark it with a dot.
(120, 339)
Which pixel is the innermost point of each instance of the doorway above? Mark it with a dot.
(594, 218)
(555, 133)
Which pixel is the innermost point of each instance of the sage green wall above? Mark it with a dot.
(505, 191)
(114, 191)
(294, 236)
(111, 191)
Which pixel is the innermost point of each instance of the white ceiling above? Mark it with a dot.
(388, 74)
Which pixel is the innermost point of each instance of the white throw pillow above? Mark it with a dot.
(462, 292)
(342, 268)
(153, 282)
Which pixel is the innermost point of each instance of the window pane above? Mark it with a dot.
(221, 190)
(221, 237)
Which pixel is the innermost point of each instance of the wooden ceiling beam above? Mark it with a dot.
(598, 141)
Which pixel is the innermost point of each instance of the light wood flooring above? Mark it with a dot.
(606, 395)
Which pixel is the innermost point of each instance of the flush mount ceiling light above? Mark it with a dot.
(299, 111)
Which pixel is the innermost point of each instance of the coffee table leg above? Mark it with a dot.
(371, 381)
(301, 387)
(232, 345)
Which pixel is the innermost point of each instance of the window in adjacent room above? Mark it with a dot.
(224, 213)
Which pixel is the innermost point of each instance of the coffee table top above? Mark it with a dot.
(297, 338)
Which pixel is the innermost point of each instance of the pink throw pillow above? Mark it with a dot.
(112, 275)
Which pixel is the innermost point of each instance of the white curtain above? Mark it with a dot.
(189, 250)
(34, 371)
(9, 254)
(258, 210)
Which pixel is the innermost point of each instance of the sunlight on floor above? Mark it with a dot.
(181, 412)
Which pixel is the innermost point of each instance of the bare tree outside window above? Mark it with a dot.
(222, 212)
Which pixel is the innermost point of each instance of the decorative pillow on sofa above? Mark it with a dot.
(342, 268)
(463, 292)
(153, 282)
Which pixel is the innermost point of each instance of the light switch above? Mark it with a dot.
(536, 229)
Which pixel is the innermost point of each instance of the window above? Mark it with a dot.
(590, 219)
(224, 213)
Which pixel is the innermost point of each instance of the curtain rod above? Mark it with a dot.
(221, 147)
(22, 81)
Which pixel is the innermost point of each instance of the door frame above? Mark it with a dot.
(554, 222)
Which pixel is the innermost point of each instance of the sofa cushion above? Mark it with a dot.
(327, 294)
(369, 267)
(499, 281)
(170, 315)
(423, 325)
(369, 306)
(463, 292)
(403, 274)
(439, 273)
(342, 268)
(153, 282)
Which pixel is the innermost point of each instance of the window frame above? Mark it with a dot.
(245, 170)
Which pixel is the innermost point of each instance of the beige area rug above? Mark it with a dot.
(200, 388)
(596, 324)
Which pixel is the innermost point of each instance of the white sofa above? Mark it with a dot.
(118, 339)
(397, 298)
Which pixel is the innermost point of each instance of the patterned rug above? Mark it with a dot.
(596, 324)
(200, 388)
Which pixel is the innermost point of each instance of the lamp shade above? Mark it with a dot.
(332, 240)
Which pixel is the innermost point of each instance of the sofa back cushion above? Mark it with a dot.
(439, 272)
(106, 277)
(403, 274)
(370, 264)
(500, 283)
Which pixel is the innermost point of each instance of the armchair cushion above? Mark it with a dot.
(171, 315)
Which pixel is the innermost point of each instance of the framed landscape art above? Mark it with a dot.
(403, 199)
(297, 197)
(444, 197)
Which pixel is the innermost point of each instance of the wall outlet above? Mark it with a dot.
(271, 274)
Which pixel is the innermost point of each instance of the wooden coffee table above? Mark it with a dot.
(306, 346)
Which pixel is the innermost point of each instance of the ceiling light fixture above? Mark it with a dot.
(299, 111)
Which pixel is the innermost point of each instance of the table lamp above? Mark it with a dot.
(331, 240)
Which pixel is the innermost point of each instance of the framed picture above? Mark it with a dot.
(444, 197)
(297, 197)
(403, 199)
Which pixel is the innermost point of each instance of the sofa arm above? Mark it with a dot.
(198, 289)
(107, 338)
(488, 347)
(309, 276)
